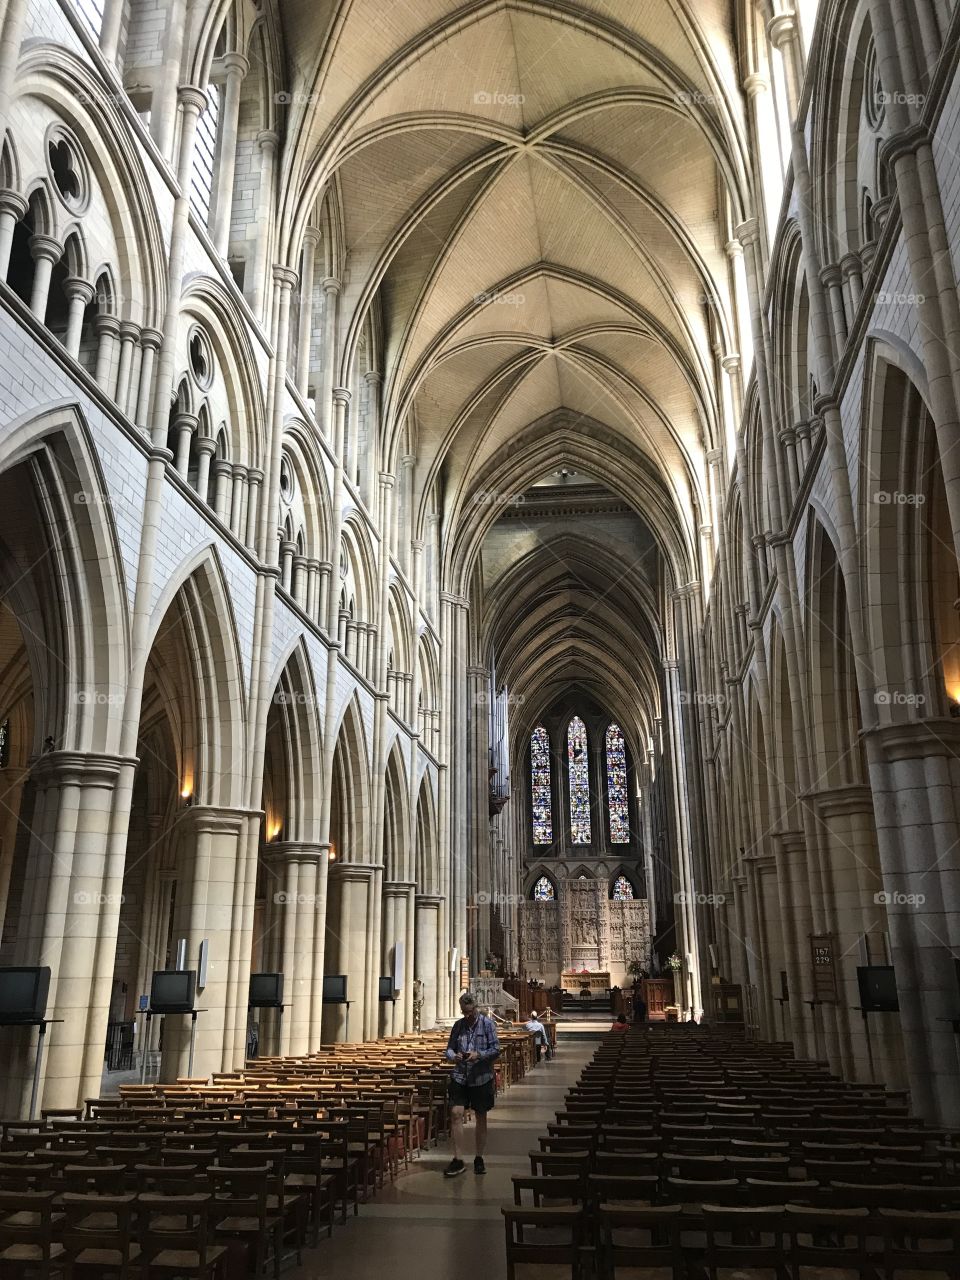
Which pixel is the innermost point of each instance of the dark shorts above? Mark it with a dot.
(476, 1097)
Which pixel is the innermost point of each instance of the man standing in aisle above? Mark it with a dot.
(473, 1048)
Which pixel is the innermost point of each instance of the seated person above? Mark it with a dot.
(621, 1023)
(534, 1024)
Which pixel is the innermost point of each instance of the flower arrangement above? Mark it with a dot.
(675, 961)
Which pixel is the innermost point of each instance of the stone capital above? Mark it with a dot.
(907, 142)
(341, 395)
(45, 247)
(192, 98)
(66, 768)
(267, 140)
(75, 287)
(755, 84)
(748, 232)
(331, 285)
(235, 64)
(312, 236)
(730, 363)
(916, 739)
(13, 202)
(129, 331)
(782, 28)
(206, 444)
(108, 324)
(213, 820)
(151, 338)
(285, 277)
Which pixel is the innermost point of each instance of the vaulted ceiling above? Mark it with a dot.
(535, 200)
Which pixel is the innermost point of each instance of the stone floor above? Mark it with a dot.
(425, 1227)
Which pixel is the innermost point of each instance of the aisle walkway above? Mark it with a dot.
(427, 1227)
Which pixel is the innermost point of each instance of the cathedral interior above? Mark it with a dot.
(478, 513)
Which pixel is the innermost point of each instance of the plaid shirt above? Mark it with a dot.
(481, 1039)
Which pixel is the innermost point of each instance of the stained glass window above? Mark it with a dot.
(617, 786)
(543, 890)
(541, 798)
(578, 766)
(622, 890)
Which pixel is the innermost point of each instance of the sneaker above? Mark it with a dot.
(478, 1165)
(453, 1168)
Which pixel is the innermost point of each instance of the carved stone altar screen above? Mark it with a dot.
(583, 929)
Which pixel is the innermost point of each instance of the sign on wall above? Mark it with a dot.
(824, 968)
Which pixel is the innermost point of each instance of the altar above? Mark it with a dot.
(583, 928)
(598, 984)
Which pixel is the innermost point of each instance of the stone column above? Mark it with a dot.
(268, 143)
(311, 239)
(207, 865)
(293, 886)
(426, 961)
(852, 269)
(254, 481)
(11, 788)
(915, 777)
(206, 448)
(185, 424)
(396, 898)
(328, 374)
(150, 340)
(238, 522)
(287, 550)
(313, 588)
(323, 594)
(832, 280)
(163, 107)
(129, 335)
(108, 333)
(347, 928)
(110, 28)
(45, 251)
(236, 67)
(222, 472)
(12, 208)
(79, 296)
(480, 885)
(67, 908)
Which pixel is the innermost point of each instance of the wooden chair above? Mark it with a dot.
(641, 1237)
(747, 1239)
(558, 1190)
(908, 1237)
(176, 1236)
(566, 1221)
(241, 1196)
(98, 1232)
(828, 1238)
(27, 1243)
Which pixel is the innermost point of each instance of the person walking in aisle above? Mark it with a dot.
(473, 1048)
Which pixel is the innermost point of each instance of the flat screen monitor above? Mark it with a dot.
(266, 990)
(878, 988)
(23, 994)
(172, 991)
(386, 988)
(335, 989)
